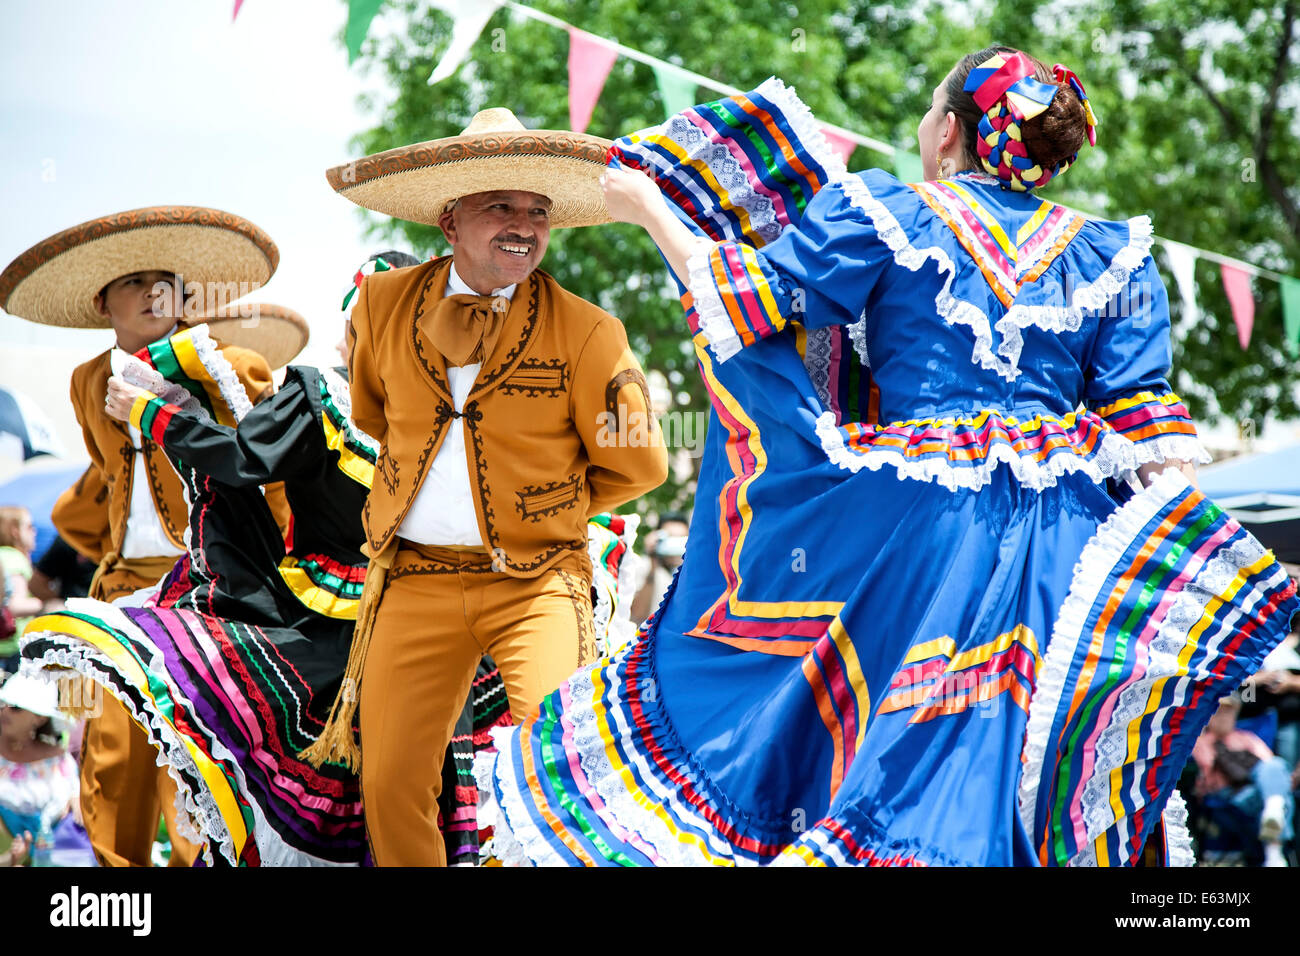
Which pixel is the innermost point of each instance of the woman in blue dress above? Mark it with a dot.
(949, 596)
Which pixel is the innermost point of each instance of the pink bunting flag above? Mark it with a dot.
(238, 4)
(590, 60)
(842, 145)
(1236, 283)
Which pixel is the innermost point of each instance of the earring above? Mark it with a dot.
(947, 166)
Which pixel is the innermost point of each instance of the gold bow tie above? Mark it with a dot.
(464, 328)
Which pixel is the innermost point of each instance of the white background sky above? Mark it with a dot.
(111, 106)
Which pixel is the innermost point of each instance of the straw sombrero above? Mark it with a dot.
(55, 281)
(276, 333)
(494, 152)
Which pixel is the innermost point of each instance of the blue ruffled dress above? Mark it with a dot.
(923, 617)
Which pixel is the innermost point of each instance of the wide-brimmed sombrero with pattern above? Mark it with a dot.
(55, 281)
(494, 152)
(275, 332)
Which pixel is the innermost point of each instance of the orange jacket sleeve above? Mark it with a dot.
(81, 515)
(612, 413)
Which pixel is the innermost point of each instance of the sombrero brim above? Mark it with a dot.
(276, 333)
(55, 282)
(416, 182)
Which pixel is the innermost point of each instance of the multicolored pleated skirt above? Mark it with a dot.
(857, 667)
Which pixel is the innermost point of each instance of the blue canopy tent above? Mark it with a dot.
(25, 430)
(1263, 493)
(36, 488)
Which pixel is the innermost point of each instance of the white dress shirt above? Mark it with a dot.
(145, 537)
(443, 511)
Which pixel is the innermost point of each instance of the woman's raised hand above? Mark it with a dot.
(121, 396)
(630, 195)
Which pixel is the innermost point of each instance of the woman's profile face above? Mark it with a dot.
(930, 132)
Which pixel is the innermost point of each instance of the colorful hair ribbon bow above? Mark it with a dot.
(1005, 89)
(1063, 75)
(369, 267)
(1010, 76)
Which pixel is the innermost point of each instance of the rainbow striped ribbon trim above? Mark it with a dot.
(1172, 606)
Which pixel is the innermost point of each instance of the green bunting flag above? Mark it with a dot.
(1291, 313)
(907, 166)
(676, 88)
(360, 13)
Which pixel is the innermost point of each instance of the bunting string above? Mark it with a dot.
(592, 57)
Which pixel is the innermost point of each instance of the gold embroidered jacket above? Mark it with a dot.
(113, 457)
(558, 424)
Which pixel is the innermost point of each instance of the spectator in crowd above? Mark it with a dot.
(1242, 793)
(1277, 700)
(1277, 691)
(17, 542)
(38, 777)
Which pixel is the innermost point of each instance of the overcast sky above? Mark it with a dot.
(111, 106)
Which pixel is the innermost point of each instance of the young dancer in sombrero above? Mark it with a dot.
(922, 618)
(223, 664)
(122, 272)
(500, 402)
(247, 643)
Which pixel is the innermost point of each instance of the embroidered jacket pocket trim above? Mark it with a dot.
(537, 501)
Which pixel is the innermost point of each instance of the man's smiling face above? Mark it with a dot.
(497, 238)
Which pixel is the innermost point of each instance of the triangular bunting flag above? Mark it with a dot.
(675, 87)
(1182, 263)
(842, 145)
(470, 17)
(360, 13)
(1291, 314)
(590, 60)
(908, 167)
(1236, 283)
(238, 4)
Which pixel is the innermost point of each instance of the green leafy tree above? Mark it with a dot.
(522, 64)
(1197, 106)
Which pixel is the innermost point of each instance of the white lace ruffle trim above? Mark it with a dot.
(715, 324)
(222, 372)
(1177, 836)
(1051, 318)
(1212, 576)
(198, 819)
(214, 363)
(1089, 297)
(505, 847)
(340, 394)
(638, 818)
(1115, 457)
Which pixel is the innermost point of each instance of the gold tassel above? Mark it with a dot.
(337, 743)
